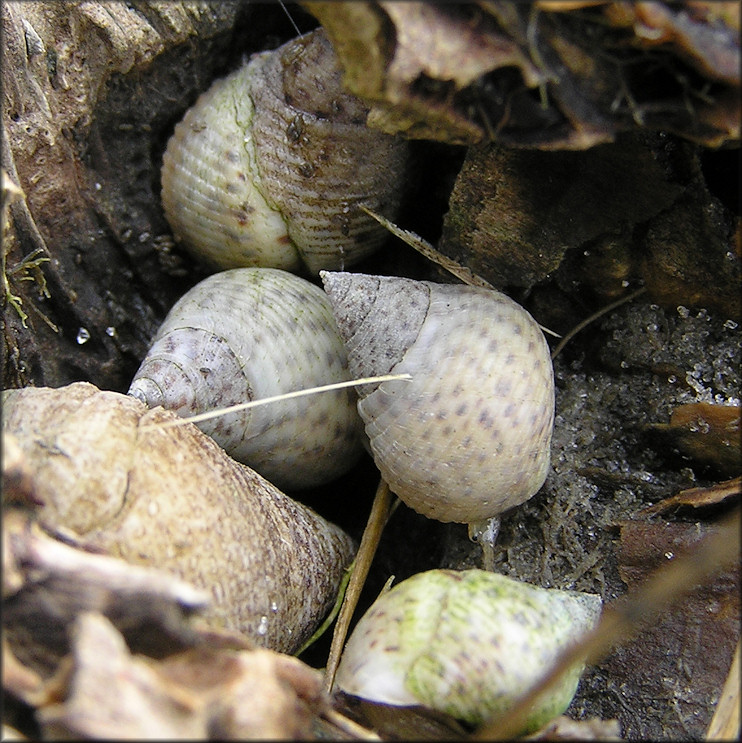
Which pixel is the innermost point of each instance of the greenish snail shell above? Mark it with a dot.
(270, 165)
(468, 643)
(246, 334)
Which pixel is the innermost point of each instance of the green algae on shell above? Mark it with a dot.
(467, 643)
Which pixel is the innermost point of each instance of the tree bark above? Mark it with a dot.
(91, 93)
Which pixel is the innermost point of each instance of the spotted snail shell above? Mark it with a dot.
(469, 436)
(270, 165)
(468, 643)
(247, 334)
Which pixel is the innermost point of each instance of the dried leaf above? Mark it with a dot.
(285, 695)
(110, 694)
(681, 661)
(203, 693)
(705, 432)
(592, 728)
(702, 33)
(696, 497)
(58, 581)
(547, 75)
(19, 680)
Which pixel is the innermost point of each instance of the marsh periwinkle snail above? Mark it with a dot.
(117, 481)
(251, 333)
(469, 436)
(270, 165)
(467, 643)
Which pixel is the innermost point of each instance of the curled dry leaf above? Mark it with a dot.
(702, 33)
(109, 693)
(53, 582)
(170, 498)
(284, 693)
(697, 497)
(546, 75)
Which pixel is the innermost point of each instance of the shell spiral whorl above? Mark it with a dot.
(469, 436)
(270, 165)
(247, 334)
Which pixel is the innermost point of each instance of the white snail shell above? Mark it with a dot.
(469, 437)
(468, 643)
(251, 333)
(270, 165)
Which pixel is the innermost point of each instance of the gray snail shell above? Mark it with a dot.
(246, 334)
(268, 168)
(469, 436)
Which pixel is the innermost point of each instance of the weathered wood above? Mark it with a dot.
(91, 94)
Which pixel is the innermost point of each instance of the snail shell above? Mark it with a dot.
(111, 477)
(251, 333)
(468, 643)
(469, 436)
(269, 166)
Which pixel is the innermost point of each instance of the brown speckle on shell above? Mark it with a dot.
(469, 436)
